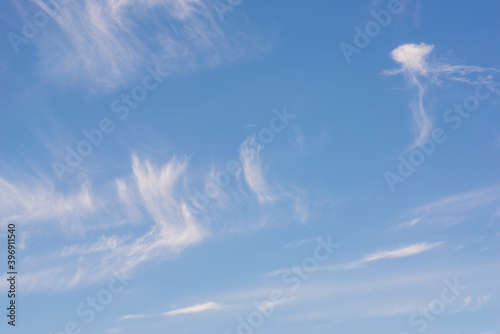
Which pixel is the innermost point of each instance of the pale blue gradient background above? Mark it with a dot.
(352, 122)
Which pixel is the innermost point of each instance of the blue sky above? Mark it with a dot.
(192, 166)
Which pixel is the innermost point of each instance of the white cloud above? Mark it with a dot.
(415, 65)
(471, 305)
(467, 301)
(418, 216)
(454, 208)
(298, 243)
(174, 226)
(412, 57)
(135, 316)
(153, 208)
(272, 304)
(35, 201)
(106, 43)
(252, 170)
(195, 309)
(102, 245)
(167, 224)
(401, 252)
(198, 308)
(404, 251)
(59, 277)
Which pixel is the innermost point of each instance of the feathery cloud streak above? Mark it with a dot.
(415, 65)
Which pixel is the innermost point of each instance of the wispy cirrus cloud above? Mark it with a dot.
(413, 62)
(454, 208)
(404, 251)
(166, 224)
(156, 191)
(472, 305)
(40, 202)
(195, 309)
(136, 316)
(298, 243)
(401, 252)
(416, 64)
(102, 245)
(153, 208)
(271, 305)
(252, 171)
(106, 43)
(396, 253)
